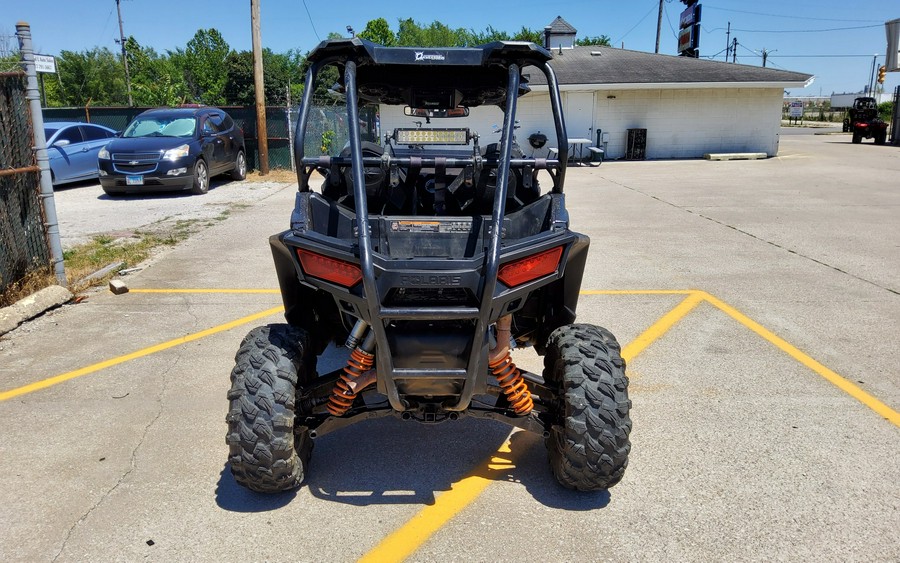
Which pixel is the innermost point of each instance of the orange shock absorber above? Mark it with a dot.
(512, 383)
(350, 382)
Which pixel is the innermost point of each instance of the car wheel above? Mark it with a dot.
(240, 167)
(201, 178)
(589, 448)
(267, 451)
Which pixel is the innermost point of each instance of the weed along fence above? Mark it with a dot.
(280, 122)
(24, 247)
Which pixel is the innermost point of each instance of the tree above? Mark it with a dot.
(437, 34)
(533, 35)
(202, 63)
(155, 81)
(95, 76)
(379, 31)
(601, 40)
(281, 72)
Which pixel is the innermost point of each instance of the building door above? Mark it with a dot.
(580, 115)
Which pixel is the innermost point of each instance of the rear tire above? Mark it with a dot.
(240, 167)
(589, 450)
(201, 178)
(880, 138)
(857, 138)
(267, 453)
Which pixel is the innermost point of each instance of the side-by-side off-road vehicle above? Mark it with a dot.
(864, 122)
(430, 256)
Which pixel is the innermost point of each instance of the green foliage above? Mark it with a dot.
(94, 77)
(886, 110)
(154, 78)
(379, 31)
(601, 40)
(327, 141)
(201, 62)
(282, 70)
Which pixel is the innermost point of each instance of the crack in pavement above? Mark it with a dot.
(751, 235)
(102, 499)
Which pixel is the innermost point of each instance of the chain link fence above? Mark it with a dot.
(280, 123)
(23, 240)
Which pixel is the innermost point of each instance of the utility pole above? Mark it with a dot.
(872, 79)
(659, 25)
(262, 137)
(124, 53)
(728, 42)
(734, 45)
(765, 56)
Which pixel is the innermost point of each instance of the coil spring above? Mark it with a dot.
(342, 395)
(512, 383)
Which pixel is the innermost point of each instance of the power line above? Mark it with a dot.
(805, 30)
(706, 7)
(311, 21)
(654, 6)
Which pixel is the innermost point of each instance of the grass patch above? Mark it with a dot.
(31, 283)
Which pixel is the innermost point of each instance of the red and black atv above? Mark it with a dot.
(865, 123)
(425, 258)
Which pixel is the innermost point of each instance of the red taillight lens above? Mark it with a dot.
(329, 269)
(530, 268)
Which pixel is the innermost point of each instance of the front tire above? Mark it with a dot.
(201, 178)
(589, 450)
(267, 453)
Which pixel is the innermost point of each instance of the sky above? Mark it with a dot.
(835, 40)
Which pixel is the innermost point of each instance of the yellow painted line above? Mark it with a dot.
(838, 381)
(51, 381)
(662, 326)
(266, 291)
(406, 540)
(637, 292)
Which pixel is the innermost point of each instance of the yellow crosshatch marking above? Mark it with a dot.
(408, 538)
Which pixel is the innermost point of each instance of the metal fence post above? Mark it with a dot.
(23, 32)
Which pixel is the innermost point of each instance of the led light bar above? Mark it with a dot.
(432, 136)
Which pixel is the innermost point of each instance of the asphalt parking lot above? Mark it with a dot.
(758, 303)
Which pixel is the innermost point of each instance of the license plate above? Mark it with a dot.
(134, 180)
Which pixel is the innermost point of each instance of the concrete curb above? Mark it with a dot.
(32, 306)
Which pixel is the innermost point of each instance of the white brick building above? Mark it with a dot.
(688, 106)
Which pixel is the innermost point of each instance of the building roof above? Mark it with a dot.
(635, 69)
(560, 25)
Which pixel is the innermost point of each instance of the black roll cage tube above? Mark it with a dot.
(477, 365)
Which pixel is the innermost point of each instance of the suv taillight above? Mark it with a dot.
(530, 268)
(329, 269)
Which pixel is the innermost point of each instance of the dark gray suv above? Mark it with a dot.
(173, 149)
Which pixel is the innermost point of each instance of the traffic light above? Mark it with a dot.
(882, 71)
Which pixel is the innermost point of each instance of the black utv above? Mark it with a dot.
(429, 256)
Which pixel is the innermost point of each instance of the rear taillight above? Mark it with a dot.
(329, 269)
(530, 268)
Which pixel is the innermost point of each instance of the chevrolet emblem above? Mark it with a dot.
(133, 162)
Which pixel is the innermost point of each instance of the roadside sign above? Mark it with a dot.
(796, 109)
(45, 63)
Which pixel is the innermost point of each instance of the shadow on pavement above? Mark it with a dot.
(389, 461)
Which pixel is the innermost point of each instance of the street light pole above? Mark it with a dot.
(872, 78)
